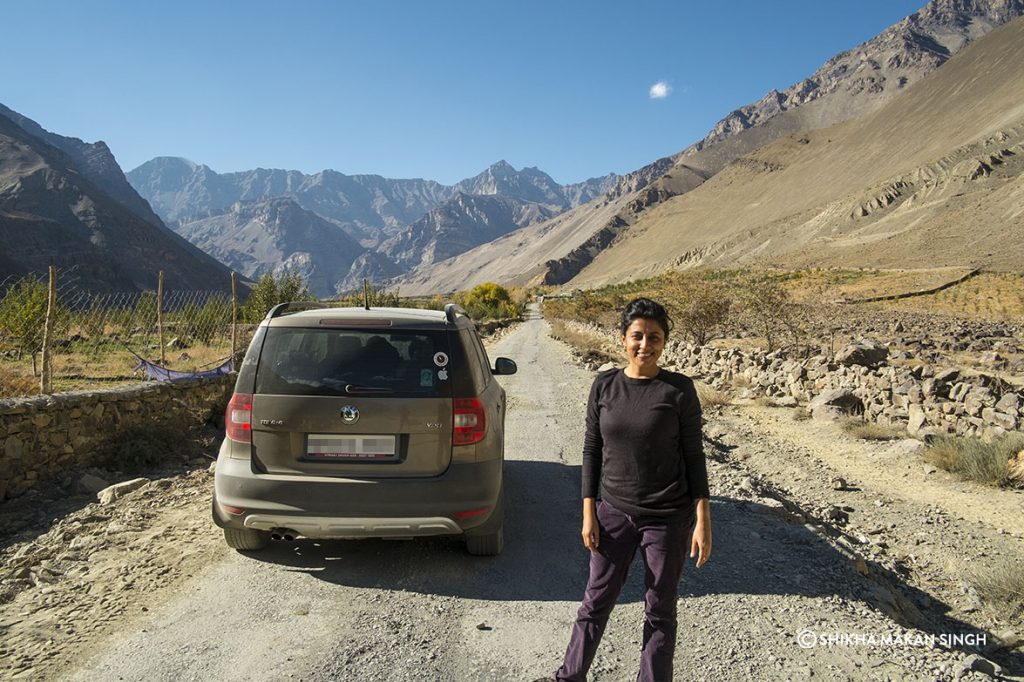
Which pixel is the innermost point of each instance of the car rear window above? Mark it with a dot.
(403, 363)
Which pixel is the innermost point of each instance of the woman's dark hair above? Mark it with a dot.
(646, 309)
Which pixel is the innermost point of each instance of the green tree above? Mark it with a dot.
(703, 307)
(271, 291)
(488, 301)
(767, 307)
(374, 297)
(23, 316)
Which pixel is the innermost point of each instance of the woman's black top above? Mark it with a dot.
(642, 450)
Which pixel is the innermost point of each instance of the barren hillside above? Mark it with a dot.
(934, 178)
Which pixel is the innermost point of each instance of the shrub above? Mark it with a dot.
(1000, 583)
(974, 459)
(271, 291)
(701, 308)
(767, 307)
(375, 297)
(14, 384)
(865, 430)
(23, 315)
(488, 301)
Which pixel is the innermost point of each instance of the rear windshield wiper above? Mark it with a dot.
(353, 388)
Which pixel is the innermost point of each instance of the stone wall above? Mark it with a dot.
(859, 379)
(46, 435)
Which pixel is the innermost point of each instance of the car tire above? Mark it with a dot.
(490, 539)
(246, 539)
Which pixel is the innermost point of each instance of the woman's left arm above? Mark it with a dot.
(700, 546)
(692, 452)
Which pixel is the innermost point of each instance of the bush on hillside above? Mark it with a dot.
(488, 301)
(271, 291)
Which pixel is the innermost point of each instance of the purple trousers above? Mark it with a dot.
(663, 543)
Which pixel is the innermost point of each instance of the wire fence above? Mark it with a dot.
(99, 339)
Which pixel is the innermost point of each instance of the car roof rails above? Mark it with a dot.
(451, 310)
(292, 307)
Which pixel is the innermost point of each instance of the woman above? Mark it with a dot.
(645, 487)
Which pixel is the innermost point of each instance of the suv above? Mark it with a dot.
(359, 423)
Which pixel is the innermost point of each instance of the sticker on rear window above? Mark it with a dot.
(443, 375)
(426, 378)
(440, 359)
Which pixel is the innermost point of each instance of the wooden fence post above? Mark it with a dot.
(160, 316)
(234, 322)
(45, 383)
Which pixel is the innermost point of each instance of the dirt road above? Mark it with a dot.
(778, 600)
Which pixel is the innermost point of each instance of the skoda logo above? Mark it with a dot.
(349, 414)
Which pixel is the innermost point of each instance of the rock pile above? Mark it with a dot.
(926, 397)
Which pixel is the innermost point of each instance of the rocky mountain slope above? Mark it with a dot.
(95, 161)
(523, 256)
(459, 224)
(370, 208)
(935, 177)
(849, 85)
(54, 210)
(276, 235)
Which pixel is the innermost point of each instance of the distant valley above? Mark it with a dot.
(399, 224)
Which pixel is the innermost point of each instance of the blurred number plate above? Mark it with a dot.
(360, 448)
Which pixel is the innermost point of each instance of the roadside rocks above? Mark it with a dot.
(119, 490)
(84, 564)
(865, 352)
(835, 403)
(864, 378)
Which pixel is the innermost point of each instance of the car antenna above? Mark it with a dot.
(366, 294)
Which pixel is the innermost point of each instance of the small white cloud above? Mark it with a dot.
(660, 90)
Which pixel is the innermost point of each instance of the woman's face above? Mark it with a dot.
(644, 341)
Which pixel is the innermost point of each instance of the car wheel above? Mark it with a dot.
(246, 539)
(486, 545)
(489, 539)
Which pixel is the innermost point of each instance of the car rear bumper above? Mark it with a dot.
(334, 507)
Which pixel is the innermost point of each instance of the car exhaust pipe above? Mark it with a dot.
(282, 535)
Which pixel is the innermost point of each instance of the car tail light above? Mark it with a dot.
(238, 418)
(470, 513)
(469, 421)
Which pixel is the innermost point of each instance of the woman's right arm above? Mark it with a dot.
(593, 447)
(591, 531)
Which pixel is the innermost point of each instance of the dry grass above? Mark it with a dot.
(865, 430)
(709, 396)
(78, 370)
(1001, 585)
(992, 295)
(588, 345)
(867, 283)
(974, 459)
(741, 381)
(801, 414)
(998, 295)
(17, 382)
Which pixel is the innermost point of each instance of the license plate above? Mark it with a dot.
(358, 448)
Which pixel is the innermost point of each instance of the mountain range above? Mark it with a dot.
(65, 202)
(400, 223)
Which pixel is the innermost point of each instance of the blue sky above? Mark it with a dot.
(437, 90)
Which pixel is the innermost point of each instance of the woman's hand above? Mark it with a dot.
(591, 530)
(700, 546)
